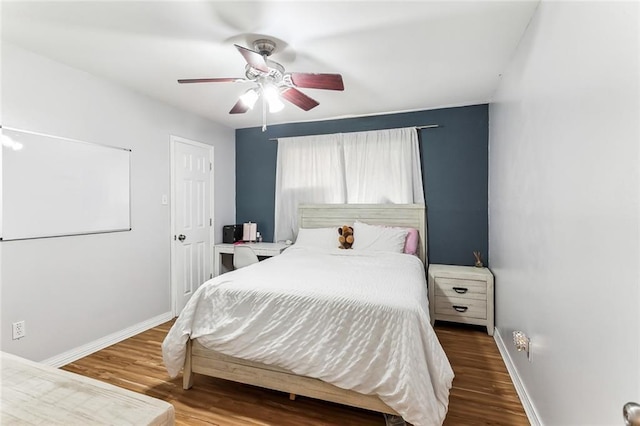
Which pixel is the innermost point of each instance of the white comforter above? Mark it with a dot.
(358, 320)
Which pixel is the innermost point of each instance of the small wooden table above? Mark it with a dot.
(34, 393)
(260, 249)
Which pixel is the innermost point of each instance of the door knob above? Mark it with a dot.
(631, 413)
(182, 237)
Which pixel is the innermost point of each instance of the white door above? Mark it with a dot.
(192, 217)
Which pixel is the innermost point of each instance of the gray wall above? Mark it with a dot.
(565, 210)
(454, 167)
(73, 291)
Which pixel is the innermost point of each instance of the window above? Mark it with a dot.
(353, 168)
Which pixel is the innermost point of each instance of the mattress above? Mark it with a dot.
(358, 320)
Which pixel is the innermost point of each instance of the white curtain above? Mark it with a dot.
(383, 167)
(308, 170)
(363, 167)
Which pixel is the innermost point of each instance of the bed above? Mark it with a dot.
(337, 334)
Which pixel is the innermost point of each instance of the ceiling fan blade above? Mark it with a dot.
(211, 80)
(239, 108)
(299, 99)
(254, 59)
(317, 81)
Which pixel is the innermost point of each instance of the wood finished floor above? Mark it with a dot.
(482, 392)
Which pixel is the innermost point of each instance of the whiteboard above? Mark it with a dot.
(54, 186)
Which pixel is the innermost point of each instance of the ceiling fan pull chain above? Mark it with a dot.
(264, 113)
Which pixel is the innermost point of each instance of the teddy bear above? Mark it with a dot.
(346, 237)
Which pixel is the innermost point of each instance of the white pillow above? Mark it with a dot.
(325, 238)
(378, 238)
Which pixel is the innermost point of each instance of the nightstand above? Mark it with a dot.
(462, 294)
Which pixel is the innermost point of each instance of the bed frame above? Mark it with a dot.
(204, 361)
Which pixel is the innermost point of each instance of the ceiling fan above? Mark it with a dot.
(272, 82)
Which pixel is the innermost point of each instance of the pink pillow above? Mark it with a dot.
(411, 243)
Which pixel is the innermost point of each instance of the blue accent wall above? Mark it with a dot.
(454, 169)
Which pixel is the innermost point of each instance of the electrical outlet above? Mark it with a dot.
(19, 330)
(522, 343)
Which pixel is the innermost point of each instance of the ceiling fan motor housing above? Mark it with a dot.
(264, 46)
(275, 74)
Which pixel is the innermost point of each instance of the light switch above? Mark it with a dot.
(165, 200)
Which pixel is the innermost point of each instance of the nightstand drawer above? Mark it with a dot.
(455, 287)
(460, 307)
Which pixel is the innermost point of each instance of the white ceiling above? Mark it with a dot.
(393, 55)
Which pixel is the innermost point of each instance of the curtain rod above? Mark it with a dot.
(428, 126)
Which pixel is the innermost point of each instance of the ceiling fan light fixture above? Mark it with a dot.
(249, 98)
(276, 105)
(273, 99)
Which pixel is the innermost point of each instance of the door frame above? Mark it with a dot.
(173, 140)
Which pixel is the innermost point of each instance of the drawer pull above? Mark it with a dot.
(460, 290)
(460, 308)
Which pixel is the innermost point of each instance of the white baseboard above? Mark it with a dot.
(528, 406)
(84, 350)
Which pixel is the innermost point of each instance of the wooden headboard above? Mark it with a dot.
(404, 215)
